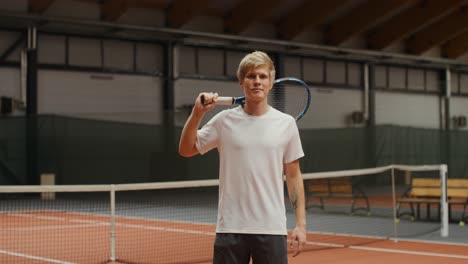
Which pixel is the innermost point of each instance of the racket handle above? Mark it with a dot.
(221, 100)
(224, 100)
(202, 99)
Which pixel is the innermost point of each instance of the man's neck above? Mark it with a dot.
(256, 108)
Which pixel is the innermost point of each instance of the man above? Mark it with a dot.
(256, 144)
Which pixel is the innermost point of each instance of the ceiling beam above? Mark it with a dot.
(150, 4)
(361, 18)
(182, 11)
(439, 32)
(153, 4)
(14, 46)
(456, 47)
(406, 23)
(111, 10)
(247, 12)
(310, 14)
(39, 6)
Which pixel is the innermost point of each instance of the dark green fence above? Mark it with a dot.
(81, 151)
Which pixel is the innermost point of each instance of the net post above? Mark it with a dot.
(444, 231)
(395, 228)
(48, 179)
(112, 223)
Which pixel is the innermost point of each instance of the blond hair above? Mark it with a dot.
(254, 60)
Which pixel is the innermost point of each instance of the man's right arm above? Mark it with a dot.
(188, 138)
(187, 147)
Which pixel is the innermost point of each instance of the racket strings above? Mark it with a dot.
(289, 97)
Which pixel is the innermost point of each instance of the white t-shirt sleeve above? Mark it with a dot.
(208, 136)
(294, 149)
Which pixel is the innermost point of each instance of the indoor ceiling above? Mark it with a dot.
(418, 25)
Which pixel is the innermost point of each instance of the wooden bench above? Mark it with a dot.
(341, 188)
(426, 191)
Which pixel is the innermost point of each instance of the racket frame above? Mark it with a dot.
(225, 100)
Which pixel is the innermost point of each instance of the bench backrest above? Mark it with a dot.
(425, 187)
(457, 188)
(431, 187)
(329, 186)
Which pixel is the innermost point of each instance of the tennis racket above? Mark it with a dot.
(289, 95)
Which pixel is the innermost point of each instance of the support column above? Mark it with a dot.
(32, 176)
(370, 134)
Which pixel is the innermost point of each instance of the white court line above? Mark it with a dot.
(94, 223)
(49, 218)
(399, 251)
(390, 238)
(188, 231)
(86, 223)
(410, 252)
(53, 227)
(11, 253)
(167, 229)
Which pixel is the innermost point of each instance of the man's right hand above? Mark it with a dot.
(205, 102)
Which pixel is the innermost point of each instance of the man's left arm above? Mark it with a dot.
(295, 185)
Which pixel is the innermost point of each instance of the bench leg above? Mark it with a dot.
(310, 203)
(367, 205)
(428, 211)
(464, 217)
(449, 212)
(438, 212)
(418, 208)
(398, 210)
(411, 213)
(353, 204)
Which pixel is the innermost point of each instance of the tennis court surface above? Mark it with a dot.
(175, 223)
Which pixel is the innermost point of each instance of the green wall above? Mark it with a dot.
(83, 151)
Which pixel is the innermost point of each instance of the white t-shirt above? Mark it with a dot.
(252, 150)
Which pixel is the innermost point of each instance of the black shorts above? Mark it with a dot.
(239, 248)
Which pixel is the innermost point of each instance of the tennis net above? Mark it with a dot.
(170, 222)
(174, 222)
(365, 204)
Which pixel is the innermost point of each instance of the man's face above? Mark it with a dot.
(257, 83)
